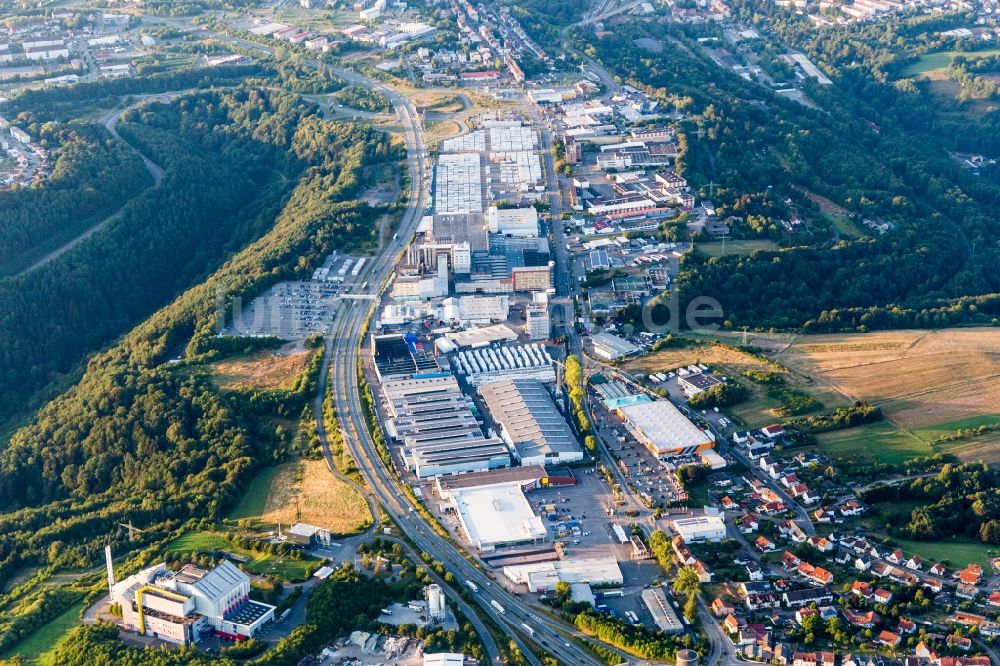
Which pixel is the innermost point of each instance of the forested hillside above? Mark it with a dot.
(759, 148)
(92, 176)
(136, 438)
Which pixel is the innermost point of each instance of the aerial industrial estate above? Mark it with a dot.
(466, 332)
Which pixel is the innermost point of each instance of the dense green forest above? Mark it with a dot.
(366, 99)
(758, 146)
(41, 105)
(92, 176)
(960, 500)
(137, 438)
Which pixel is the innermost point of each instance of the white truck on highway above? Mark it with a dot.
(497, 607)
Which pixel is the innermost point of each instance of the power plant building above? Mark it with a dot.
(183, 606)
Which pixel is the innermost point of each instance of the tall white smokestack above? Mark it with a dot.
(110, 566)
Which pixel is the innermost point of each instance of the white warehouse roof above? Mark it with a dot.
(663, 429)
(545, 575)
(497, 515)
(700, 528)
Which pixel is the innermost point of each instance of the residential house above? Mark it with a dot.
(888, 639)
(731, 624)
(851, 508)
(970, 575)
(881, 596)
(790, 561)
(812, 595)
(721, 607)
(963, 591)
(968, 619)
(865, 620)
(960, 642)
(861, 589)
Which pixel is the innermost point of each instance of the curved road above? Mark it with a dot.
(109, 121)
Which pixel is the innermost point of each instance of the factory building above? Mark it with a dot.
(182, 606)
(471, 310)
(522, 222)
(537, 322)
(437, 610)
(542, 576)
(431, 417)
(696, 383)
(664, 615)
(531, 278)
(662, 429)
(530, 423)
(611, 347)
(496, 363)
(398, 356)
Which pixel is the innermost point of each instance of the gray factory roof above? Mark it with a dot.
(529, 417)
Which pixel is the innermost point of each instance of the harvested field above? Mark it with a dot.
(918, 378)
(305, 491)
(267, 370)
(760, 408)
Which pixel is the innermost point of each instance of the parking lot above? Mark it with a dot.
(653, 480)
(289, 310)
(584, 504)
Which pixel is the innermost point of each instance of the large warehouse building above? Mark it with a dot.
(530, 422)
(662, 429)
(496, 515)
(543, 576)
(182, 606)
(439, 433)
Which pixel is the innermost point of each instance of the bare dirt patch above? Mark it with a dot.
(267, 370)
(305, 491)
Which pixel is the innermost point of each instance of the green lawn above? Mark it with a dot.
(931, 433)
(260, 563)
(879, 440)
(959, 552)
(845, 226)
(741, 247)
(254, 498)
(942, 59)
(38, 646)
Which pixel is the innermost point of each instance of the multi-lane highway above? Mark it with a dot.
(345, 347)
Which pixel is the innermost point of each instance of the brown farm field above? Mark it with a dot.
(929, 385)
(730, 362)
(266, 370)
(918, 378)
(305, 491)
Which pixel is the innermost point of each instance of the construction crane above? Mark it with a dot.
(131, 530)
